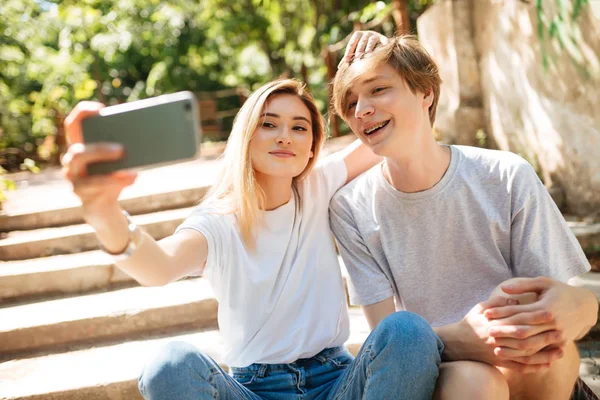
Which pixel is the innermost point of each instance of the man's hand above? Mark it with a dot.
(561, 314)
(361, 43)
(469, 339)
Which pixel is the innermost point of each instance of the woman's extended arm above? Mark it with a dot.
(152, 263)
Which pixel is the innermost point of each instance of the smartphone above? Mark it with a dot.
(158, 130)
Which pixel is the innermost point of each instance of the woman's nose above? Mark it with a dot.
(284, 136)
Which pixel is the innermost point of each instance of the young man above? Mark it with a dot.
(435, 229)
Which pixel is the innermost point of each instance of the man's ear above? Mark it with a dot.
(428, 99)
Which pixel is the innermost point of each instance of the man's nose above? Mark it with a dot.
(363, 108)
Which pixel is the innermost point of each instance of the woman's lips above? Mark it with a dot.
(282, 153)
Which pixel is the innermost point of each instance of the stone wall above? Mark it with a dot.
(551, 117)
(460, 111)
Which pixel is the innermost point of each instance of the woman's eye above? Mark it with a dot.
(268, 125)
(300, 128)
(378, 89)
(351, 105)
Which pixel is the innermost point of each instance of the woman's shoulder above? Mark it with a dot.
(210, 216)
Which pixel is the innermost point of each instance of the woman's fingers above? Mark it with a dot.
(82, 110)
(103, 185)
(362, 42)
(361, 46)
(76, 160)
(372, 43)
(351, 47)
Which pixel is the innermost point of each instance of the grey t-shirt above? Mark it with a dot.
(443, 250)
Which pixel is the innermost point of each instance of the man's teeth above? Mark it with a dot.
(373, 128)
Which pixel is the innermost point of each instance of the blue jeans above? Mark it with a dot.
(399, 360)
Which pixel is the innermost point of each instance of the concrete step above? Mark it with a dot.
(589, 368)
(588, 235)
(21, 245)
(110, 372)
(127, 312)
(47, 200)
(59, 275)
(67, 274)
(43, 203)
(184, 197)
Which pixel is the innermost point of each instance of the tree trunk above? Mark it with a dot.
(401, 17)
(331, 70)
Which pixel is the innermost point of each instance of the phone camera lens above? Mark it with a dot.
(187, 107)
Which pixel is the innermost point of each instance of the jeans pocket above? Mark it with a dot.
(342, 359)
(244, 378)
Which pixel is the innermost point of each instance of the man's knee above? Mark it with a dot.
(471, 380)
(166, 369)
(557, 381)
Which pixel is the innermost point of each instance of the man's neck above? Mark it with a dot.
(418, 170)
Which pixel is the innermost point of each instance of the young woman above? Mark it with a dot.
(261, 237)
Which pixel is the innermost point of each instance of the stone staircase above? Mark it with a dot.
(73, 326)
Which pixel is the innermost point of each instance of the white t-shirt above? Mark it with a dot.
(286, 300)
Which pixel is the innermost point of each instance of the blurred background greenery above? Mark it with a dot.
(54, 54)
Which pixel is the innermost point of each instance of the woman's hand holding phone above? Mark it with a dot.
(98, 193)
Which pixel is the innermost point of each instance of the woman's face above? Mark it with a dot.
(281, 145)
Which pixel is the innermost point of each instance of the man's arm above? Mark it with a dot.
(368, 284)
(358, 158)
(375, 313)
(544, 255)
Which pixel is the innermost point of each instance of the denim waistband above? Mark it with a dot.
(322, 357)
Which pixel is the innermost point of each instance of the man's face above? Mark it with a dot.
(383, 112)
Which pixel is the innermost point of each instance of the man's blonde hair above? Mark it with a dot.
(236, 190)
(410, 60)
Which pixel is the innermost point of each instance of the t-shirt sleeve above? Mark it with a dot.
(368, 284)
(329, 175)
(211, 226)
(542, 244)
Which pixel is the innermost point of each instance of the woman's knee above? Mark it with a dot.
(471, 380)
(406, 326)
(410, 332)
(166, 369)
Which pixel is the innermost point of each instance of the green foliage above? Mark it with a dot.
(55, 53)
(562, 30)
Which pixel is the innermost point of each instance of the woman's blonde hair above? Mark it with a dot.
(236, 190)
